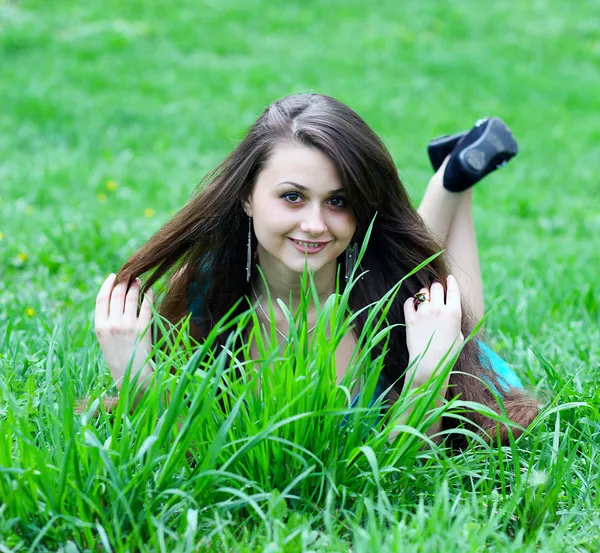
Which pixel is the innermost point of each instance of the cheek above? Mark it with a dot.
(272, 222)
(277, 223)
(346, 225)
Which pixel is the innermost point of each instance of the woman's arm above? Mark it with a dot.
(436, 319)
(437, 425)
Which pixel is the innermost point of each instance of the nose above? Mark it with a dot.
(313, 223)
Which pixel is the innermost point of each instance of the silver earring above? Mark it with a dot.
(249, 256)
(351, 255)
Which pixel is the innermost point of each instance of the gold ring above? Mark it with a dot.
(419, 297)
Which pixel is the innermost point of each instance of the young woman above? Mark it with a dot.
(304, 185)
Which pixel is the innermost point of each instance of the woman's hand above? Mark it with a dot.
(117, 328)
(433, 315)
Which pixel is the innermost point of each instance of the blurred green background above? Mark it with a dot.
(112, 111)
(151, 95)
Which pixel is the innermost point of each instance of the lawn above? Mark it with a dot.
(110, 114)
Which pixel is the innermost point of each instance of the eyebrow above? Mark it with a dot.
(301, 187)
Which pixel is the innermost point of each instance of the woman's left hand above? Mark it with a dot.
(435, 314)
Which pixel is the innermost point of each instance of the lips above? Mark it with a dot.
(312, 243)
(308, 249)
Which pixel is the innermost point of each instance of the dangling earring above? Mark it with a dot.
(249, 256)
(351, 255)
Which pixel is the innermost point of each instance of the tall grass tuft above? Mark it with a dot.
(206, 448)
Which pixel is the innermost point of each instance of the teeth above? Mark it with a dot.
(309, 244)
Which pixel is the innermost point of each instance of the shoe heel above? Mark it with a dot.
(439, 148)
(493, 148)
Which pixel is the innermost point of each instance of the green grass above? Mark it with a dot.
(151, 96)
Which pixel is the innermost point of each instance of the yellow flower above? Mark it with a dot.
(1, 236)
(101, 197)
(149, 213)
(29, 210)
(111, 185)
(31, 312)
(22, 256)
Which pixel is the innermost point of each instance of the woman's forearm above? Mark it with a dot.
(437, 425)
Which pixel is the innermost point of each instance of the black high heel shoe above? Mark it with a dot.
(487, 146)
(439, 148)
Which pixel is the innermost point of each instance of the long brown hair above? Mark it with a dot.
(205, 242)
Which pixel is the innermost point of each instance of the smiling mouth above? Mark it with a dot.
(309, 247)
(309, 244)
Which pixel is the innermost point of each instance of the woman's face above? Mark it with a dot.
(314, 209)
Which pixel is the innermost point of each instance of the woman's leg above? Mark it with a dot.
(439, 206)
(461, 249)
(449, 216)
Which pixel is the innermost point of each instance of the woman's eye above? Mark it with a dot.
(338, 201)
(342, 200)
(291, 194)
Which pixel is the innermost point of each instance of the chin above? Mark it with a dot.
(313, 265)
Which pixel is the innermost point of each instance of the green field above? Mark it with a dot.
(110, 114)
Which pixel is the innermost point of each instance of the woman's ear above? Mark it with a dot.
(246, 207)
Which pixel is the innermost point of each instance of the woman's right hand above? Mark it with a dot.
(118, 326)
(438, 317)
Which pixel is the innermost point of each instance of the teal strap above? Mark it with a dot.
(506, 376)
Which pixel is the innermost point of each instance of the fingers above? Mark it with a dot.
(145, 311)
(453, 294)
(437, 293)
(411, 305)
(117, 301)
(113, 302)
(103, 299)
(131, 300)
(436, 297)
(410, 309)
